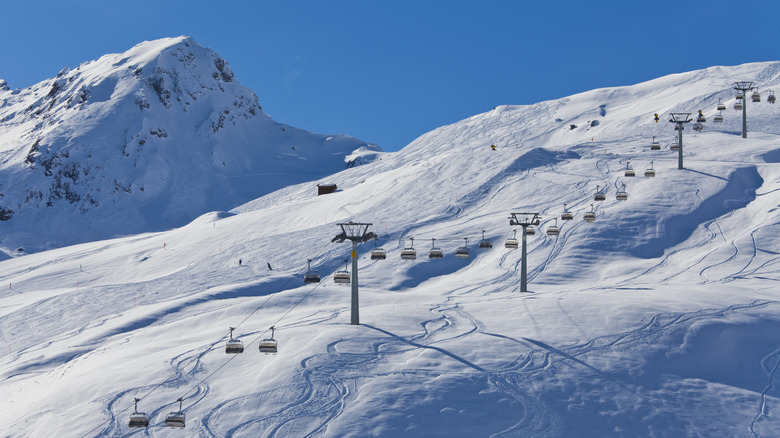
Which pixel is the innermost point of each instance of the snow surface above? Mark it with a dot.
(144, 140)
(661, 318)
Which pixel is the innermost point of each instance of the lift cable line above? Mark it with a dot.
(524, 220)
(357, 233)
(680, 119)
(743, 87)
(211, 347)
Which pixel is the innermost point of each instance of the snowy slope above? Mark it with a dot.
(143, 141)
(659, 319)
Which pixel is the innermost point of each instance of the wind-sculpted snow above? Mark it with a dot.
(658, 319)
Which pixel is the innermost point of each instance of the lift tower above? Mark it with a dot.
(680, 119)
(356, 232)
(744, 87)
(524, 220)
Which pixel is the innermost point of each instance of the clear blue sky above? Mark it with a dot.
(387, 72)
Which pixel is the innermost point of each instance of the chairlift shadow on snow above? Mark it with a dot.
(429, 269)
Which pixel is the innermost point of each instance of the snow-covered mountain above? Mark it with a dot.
(143, 140)
(660, 318)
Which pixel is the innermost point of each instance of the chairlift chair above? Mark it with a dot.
(629, 170)
(342, 277)
(512, 242)
(655, 146)
(463, 251)
(530, 230)
(138, 419)
(771, 98)
(650, 173)
(740, 95)
(590, 216)
(553, 230)
(566, 215)
(269, 345)
(622, 195)
(311, 276)
(698, 127)
(738, 105)
(378, 253)
(756, 97)
(434, 252)
(175, 418)
(599, 196)
(718, 118)
(485, 243)
(409, 253)
(674, 146)
(234, 346)
(721, 106)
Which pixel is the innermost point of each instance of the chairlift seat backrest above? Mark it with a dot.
(175, 419)
(462, 252)
(485, 244)
(378, 254)
(511, 243)
(409, 254)
(234, 346)
(311, 277)
(530, 231)
(435, 253)
(341, 277)
(268, 346)
(649, 173)
(553, 231)
(589, 216)
(139, 419)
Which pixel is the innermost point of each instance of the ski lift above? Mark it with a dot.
(771, 98)
(434, 252)
(269, 345)
(378, 253)
(530, 230)
(698, 127)
(674, 146)
(718, 118)
(649, 173)
(655, 146)
(590, 216)
(738, 105)
(512, 242)
(485, 243)
(721, 105)
(599, 196)
(463, 251)
(740, 95)
(553, 230)
(629, 170)
(700, 118)
(175, 418)
(234, 346)
(756, 97)
(566, 215)
(311, 276)
(622, 195)
(342, 277)
(409, 253)
(138, 419)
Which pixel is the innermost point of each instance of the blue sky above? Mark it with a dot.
(387, 72)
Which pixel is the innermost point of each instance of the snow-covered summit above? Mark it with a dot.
(143, 140)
